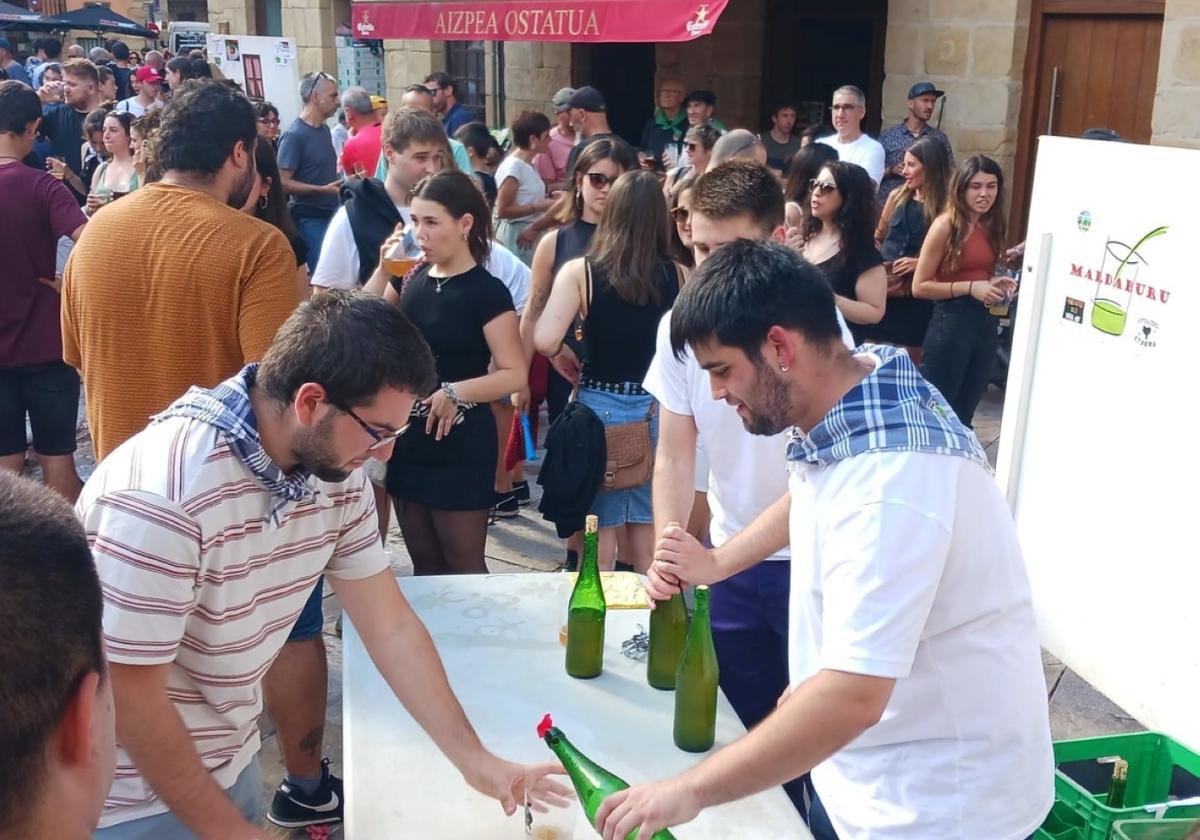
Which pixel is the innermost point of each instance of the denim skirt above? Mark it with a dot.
(618, 507)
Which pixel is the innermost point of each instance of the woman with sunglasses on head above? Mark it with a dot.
(268, 122)
(698, 144)
(441, 476)
(907, 215)
(956, 269)
(836, 234)
(806, 165)
(620, 289)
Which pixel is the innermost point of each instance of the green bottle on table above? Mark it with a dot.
(696, 683)
(585, 613)
(668, 629)
(592, 782)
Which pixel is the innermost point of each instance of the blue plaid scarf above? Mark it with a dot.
(227, 407)
(892, 410)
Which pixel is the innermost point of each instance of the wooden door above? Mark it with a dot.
(1086, 70)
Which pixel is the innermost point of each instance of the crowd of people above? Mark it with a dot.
(315, 333)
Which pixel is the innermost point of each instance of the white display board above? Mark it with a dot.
(272, 65)
(1096, 451)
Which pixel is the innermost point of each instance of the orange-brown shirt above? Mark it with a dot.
(168, 288)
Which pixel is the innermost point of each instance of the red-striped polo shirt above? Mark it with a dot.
(195, 574)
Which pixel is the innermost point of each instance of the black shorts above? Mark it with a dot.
(49, 394)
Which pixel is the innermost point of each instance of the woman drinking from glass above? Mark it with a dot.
(956, 269)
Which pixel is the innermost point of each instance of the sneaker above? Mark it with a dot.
(291, 808)
(506, 506)
(521, 491)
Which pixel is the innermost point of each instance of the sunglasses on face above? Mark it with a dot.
(822, 187)
(681, 214)
(691, 147)
(599, 180)
(381, 439)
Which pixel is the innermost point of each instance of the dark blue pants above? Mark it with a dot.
(750, 633)
(959, 353)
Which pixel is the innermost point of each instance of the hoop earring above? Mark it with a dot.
(783, 368)
(262, 203)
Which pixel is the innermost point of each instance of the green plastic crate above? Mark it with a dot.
(1159, 769)
(1152, 829)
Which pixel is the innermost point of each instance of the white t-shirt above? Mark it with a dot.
(864, 151)
(530, 186)
(906, 565)
(746, 473)
(337, 267)
(133, 106)
(198, 577)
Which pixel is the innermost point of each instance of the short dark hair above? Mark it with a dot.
(19, 106)
(476, 137)
(50, 613)
(421, 89)
(740, 188)
(119, 50)
(202, 124)
(527, 126)
(265, 109)
(444, 80)
(405, 126)
(747, 287)
(456, 192)
(50, 45)
(94, 121)
(352, 344)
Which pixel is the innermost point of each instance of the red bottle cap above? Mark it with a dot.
(544, 726)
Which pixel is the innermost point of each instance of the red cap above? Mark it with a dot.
(146, 73)
(544, 726)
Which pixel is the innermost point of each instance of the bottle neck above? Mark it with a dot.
(590, 565)
(578, 766)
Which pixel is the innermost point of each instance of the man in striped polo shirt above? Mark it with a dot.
(209, 529)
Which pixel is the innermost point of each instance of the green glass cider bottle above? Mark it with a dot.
(592, 782)
(668, 629)
(696, 683)
(585, 613)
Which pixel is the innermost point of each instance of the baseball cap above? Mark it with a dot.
(146, 73)
(562, 100)
(705, 96)
(587, 98)
(377, 102)
(6, 44)
(922, 88)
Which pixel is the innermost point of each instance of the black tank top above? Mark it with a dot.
(620, 336)
(572, 241)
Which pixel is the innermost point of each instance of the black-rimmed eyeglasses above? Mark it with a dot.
(381, 439)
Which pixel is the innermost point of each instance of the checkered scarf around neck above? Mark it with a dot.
(893, 409)
(228, 408)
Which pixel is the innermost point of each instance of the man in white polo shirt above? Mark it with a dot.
(209, 529)
(917, 695)
(742, 473)
(848, 109)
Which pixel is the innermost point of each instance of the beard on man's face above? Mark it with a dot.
(241, 191)
(768, 405)
(314, 451)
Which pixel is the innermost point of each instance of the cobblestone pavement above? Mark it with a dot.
(527, 543)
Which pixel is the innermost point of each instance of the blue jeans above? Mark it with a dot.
(632, 506)
(246, 795)
(312, 231)
(311, 619)
(750, 633)
(959, 353)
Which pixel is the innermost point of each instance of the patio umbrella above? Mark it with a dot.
(100, 19)
(14, 17)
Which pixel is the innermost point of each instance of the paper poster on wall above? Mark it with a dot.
(1094, 451)
(284, 51)
(232, 52)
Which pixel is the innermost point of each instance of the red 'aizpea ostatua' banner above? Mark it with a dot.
(539, 20)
